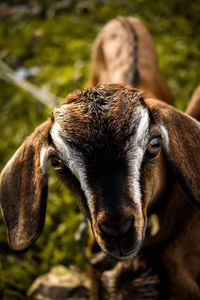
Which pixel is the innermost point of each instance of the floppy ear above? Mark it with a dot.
(181, 141)
(23, 189)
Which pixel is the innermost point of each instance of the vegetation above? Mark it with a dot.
(60, 46)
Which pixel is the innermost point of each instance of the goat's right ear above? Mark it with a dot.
(181, 141)
(23, 189)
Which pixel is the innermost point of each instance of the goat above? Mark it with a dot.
(105, 144)
(124, 53)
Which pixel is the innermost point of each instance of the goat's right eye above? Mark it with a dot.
(58, 165)
(154, 146)
(56, 162)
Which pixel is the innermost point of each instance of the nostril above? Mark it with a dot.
(106, 229)
(125, 227)
(119, 230)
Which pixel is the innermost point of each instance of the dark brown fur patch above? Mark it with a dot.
(100, 117)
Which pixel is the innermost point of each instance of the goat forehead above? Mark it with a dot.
(97, 117)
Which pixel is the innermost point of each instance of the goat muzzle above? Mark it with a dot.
(118, 238)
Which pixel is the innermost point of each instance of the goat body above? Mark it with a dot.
(124, 53)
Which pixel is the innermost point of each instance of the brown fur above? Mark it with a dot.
(124, 53)
(193, 108)
(131, 280)
(177, 124)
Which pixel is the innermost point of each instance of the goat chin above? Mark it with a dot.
(125, 257)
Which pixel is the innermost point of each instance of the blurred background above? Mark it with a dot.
(47, 44)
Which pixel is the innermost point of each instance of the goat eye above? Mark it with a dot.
(55, 161)
(154, 146)
(57, 164)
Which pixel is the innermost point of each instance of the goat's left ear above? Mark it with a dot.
(23, 189)
(181, 141)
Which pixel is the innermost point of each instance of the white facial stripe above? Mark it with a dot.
(73, 161)
(143, 127)
(56, 132)
(135, 157)
(44, 159)
(165, 138)
(139, 147)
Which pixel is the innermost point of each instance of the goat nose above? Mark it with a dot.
(119, 230)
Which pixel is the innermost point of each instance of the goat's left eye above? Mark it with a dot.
(57, 164)
(154, 145)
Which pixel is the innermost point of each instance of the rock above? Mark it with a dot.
(61, 283)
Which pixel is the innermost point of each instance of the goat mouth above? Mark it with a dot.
(130, 254)
(120, 251)
(119, 255)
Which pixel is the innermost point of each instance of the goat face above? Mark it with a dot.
(105, 144)
(107, 138)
